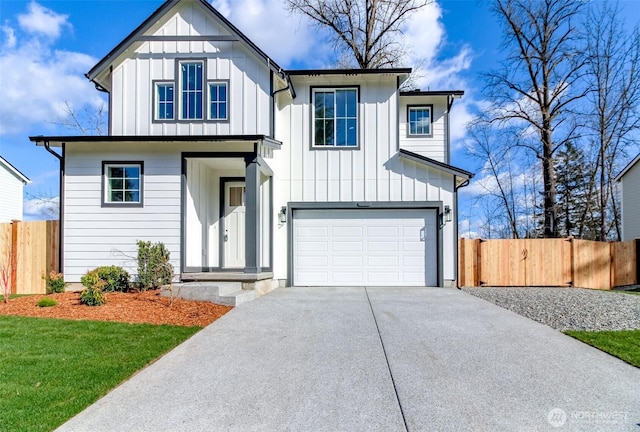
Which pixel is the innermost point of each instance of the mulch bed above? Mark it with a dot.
(143, 307)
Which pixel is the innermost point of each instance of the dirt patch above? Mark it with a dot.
(144, 307)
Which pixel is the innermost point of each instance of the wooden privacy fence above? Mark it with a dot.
(548, 262)
(32, 248)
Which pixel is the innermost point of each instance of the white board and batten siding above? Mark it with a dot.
(631, 203)
(133, 79)
(11, 194)
(373, 172)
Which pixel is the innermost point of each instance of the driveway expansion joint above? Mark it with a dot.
(386, 359)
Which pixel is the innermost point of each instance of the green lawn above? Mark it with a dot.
(52, 369)
(624, 344)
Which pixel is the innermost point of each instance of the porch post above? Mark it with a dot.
(252, 216)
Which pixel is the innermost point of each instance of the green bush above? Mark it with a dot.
(154, 267)
(46, 302)
(115, 278)
(55, 282)
(93, 295)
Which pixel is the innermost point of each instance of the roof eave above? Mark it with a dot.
(458, 172)
(628, 167)
(15, 171)
(100, 67)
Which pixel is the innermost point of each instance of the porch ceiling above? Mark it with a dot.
(222, 163)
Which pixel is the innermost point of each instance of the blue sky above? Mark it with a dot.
(47, 46)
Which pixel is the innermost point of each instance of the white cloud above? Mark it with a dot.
(37, 80)
(283, 36)
(41, 208)
(425, 37)
(41, 20)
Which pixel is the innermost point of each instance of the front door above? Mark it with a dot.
(234, 214)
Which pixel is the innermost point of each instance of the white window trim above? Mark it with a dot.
(313, 118)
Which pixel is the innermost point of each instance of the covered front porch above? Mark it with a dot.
(227, 213)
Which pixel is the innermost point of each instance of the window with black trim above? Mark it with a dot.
(164, 101)
(419, 120)
(122, 183)
(191, 90)
(218, 100)
(335, 117)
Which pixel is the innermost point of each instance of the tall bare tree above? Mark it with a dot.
(367, 32)
(539, 81)
(613, 67)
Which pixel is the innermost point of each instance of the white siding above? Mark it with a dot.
(96, 235)
(434, 147)
(631, 203)
(374, 172)
(132, 79)
(11, 189)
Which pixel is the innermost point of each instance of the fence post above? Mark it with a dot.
(14, 255)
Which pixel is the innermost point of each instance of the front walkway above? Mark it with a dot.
(380, 359)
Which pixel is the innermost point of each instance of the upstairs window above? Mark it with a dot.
(164, 101)
(218, 101)
(191, 88)
(419, 120)
(335, 117)
(122, 183)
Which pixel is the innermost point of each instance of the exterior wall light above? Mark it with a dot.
(282, 216)
(448, 214)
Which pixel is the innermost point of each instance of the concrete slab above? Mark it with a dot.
(291, 360)
(311, 359)
(460, 364)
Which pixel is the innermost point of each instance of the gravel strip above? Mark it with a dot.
(567, 308)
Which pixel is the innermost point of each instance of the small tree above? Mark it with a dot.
(5, 277)
(154, 265)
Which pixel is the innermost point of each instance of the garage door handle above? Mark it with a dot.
(422, 234)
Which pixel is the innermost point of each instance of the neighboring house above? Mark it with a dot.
(629, 179)
(250, 172)
(12, 184)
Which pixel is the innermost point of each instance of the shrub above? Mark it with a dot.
(46, 302)
(55, 282)
(115, 278)
(154, 267)
(93, 295)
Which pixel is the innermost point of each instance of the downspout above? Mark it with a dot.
(60, 158)
(455, 226)
(292, 92)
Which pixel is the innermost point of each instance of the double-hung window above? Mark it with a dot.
(218, 100)
(191, 90)
(164, 101)
(335, 117)
(419, 119)
(122, 183)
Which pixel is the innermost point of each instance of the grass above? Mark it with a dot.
(52, 369)
(624, 344)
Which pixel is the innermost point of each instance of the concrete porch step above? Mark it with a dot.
(225, 293)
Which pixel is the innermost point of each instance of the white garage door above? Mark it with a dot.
(359, 247)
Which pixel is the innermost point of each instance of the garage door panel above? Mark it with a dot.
(365, 247)
(347, 261)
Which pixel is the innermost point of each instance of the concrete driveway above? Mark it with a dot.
(375, 359)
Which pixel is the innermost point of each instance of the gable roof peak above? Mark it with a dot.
(136, 36)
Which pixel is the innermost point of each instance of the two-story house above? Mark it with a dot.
(249, 172)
